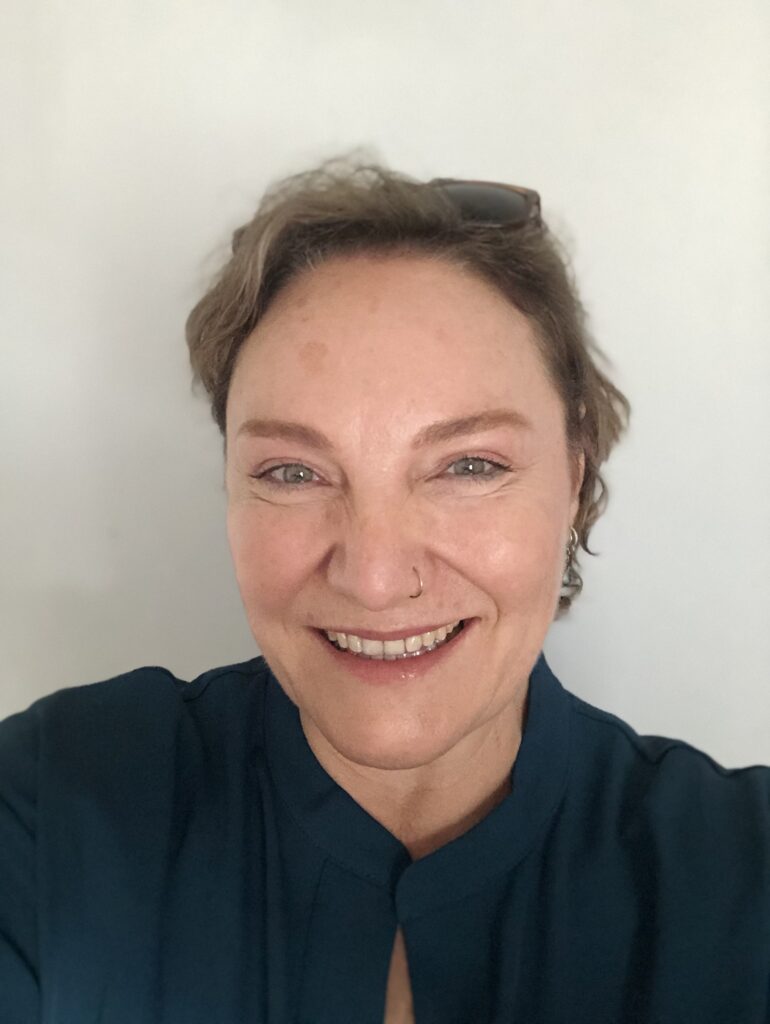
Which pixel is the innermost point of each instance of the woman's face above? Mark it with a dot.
(355, 383)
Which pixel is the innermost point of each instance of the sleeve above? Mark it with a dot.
(19, 990)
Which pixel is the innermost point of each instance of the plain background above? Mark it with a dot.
(137, 135)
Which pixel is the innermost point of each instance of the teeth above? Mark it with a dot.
(391, 649)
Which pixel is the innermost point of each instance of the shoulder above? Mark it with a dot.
(666, 784)
(138, 714)
(113, 775)
(127, 691)
(663, 754)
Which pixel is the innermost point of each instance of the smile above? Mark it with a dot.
(393, 650)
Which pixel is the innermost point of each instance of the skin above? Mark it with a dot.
(371, 350)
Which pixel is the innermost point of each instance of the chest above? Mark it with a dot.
(398, 996)
(290, 937)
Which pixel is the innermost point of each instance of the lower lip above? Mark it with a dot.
(380, 672)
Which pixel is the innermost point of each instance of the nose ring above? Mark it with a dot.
(419, 580)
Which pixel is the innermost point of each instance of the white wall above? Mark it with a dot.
(136, 135)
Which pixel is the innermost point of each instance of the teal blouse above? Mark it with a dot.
(174, 852)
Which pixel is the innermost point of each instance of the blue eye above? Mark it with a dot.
(293, 473)
(474, 466)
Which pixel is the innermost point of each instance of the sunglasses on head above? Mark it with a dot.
(491, 203)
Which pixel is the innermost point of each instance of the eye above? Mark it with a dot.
(291, 474)
(473, 467)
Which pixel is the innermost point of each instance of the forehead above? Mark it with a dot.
(386, 336)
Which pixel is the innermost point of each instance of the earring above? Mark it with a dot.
(571, 549)
(573, 543)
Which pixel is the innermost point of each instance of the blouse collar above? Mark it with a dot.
(334, 822)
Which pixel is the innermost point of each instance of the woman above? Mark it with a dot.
(397, 813)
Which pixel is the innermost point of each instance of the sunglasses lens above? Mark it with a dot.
(488, 204)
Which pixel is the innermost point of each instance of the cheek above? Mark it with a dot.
(532, 561)
(516, 555)
(271, 554)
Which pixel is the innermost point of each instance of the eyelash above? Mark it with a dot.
(499, 468)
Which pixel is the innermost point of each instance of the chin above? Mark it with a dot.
(386, 746)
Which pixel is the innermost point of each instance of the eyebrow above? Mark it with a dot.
(447, 430)
(434, 433)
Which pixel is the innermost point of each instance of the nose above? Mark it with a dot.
(373, 559)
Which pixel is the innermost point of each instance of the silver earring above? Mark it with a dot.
(573, 543)
(419, 580)
(571, 549)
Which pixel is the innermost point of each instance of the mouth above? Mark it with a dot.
(408, 647)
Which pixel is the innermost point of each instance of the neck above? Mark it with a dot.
(422, 834)
(428, 806)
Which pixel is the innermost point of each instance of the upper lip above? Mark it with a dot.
(393, 634)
